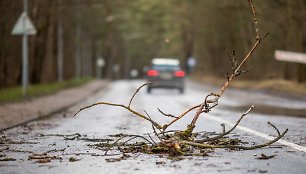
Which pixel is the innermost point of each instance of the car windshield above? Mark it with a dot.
(165, 67)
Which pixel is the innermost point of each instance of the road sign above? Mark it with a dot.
(134, 73)
(191, 62)
(100, 62)
(24, 26)
(289, 56)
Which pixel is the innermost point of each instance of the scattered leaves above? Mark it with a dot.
(4, 140)
(265, 157)
(123, 157)
(42, 158)
(7, 159)
(73, 159)
(263, 171)
(160, 162)
(47, 160)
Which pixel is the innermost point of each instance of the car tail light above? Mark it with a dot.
(152, 73)
(179, 73)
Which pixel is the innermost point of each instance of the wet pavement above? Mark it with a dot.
(64, 144)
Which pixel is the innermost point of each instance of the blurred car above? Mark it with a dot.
(165, 73)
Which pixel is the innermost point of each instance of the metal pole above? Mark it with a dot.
(25, 52)
(60, 43)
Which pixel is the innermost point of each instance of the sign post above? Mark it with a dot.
(289, 56)
(24, 27)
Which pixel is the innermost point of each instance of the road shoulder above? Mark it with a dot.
(278, 87)
(17, 113)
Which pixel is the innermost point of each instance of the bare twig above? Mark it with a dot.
(125, 136)
(156, 134)
(113, 144)
(274, 128)
(138, 89)
(137, 136)
(225, 86)
(179, 117)
(255, 19)
(123, 106)
(223, 127)
(236, 146)
(226, 132)
(167, 115)
(151, 138)
(187, 111)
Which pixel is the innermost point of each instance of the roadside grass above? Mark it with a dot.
(273, 85)
(277, 85)
(15, 93)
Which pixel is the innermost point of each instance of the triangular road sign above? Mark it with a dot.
(24, 26)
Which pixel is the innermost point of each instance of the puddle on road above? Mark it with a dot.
(270, 110)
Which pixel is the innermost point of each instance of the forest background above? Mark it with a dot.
(129, 33)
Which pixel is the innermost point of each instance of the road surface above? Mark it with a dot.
(73, 155)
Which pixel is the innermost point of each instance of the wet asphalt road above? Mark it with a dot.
(98, 122)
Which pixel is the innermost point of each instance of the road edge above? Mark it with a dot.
(56, 111)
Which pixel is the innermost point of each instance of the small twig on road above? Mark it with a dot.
(55, 150)
(274, 128)
(265, 157)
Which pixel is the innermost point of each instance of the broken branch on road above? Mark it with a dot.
(185, 142)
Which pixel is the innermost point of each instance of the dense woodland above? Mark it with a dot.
(128, 33)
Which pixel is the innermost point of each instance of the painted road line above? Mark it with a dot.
(268, 137)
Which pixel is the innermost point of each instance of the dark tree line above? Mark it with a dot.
(127, 34)
(228, 26)
(42, 50)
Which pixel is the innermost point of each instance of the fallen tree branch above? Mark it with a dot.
(174, 142)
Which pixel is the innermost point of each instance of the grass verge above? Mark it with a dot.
(15, 93)
(273, 85)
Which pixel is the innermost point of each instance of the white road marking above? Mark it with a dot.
(246, 129)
